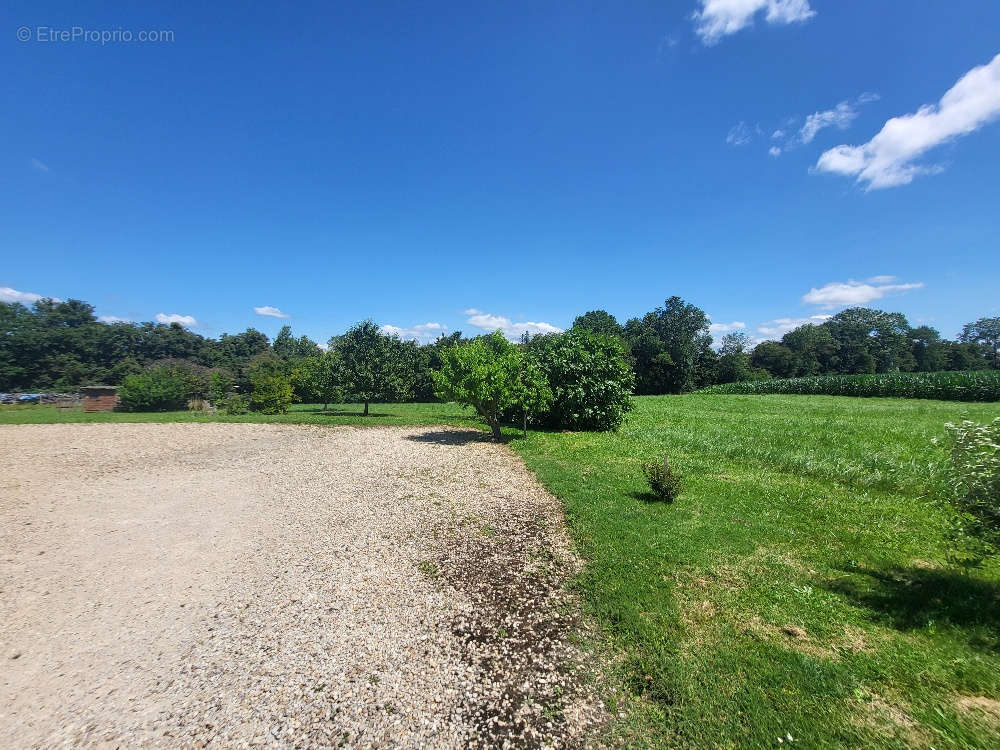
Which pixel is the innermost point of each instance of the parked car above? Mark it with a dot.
(6, 398)
(29, 398)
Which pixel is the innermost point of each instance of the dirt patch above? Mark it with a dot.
(227, 584)
(982, 707)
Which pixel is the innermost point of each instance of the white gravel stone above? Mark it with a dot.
(246, 585)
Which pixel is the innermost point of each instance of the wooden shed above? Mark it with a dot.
(99, 397)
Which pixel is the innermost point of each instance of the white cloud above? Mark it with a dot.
(423, 332)
(187, 321)
(887, 159)
(774, 151)
(779, 133)
(25, 298)
(39, 165)
(775, 329)
(846, 294)
(739, 134)
(719, 18)
(513, 331)
(840, 117)
(270, 312)
(881, 279)
(113, 319)
(736, 325)
(471, 311)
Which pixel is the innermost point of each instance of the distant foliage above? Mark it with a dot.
(272, 394)
(982, 385)
(590, 378)
(975, 456)
(236, 403)
(159, 389)
(664, 483)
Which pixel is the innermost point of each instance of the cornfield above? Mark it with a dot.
(979, 385)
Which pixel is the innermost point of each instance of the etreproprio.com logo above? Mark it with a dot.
(81, 34)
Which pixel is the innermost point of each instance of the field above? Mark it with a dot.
(798, 588)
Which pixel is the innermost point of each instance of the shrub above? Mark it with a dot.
(975, 481)
(236, 404)
(271, 394)
(590, 379)
(159, 389)
(220, 384)
(982, 385)
(665, 484)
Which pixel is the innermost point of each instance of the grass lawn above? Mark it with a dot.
(342, 414)
(799, 586)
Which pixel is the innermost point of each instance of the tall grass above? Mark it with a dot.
(980, 385)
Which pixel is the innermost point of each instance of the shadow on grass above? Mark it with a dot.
(344, 413)
(650, 498)
(915, 598)
(452, 437)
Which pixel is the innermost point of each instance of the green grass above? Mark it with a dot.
(338, 414)
(799, 585)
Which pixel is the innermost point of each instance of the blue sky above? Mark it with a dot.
(513, 164)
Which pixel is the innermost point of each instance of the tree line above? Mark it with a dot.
(55, 345)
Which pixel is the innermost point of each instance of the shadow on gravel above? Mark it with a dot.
(452, 437)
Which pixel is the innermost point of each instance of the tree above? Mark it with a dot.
(599, 321)
(930, 353)
(815, 349)
(317, 380)
(484, 373)
(669, 347)
(775, 358)
(986, 333)
(374, 364)
(531, 390)
(734, 362)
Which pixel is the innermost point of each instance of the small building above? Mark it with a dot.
(100, 397)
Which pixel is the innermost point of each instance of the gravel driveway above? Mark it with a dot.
(242, 584)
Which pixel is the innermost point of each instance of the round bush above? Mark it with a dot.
(590, 378)
(159, 389)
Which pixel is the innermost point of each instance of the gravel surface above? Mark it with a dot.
(227, 585)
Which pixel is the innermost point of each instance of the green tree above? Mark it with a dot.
(599, 321)
(317, 380)
(484, 373)
(374, 364)
(777, 359)
(669, 346)
(734, 362)
(986, 333)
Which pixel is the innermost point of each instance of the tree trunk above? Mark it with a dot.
(495, 424)
(526, 423)
(326, 407)
(366, 409)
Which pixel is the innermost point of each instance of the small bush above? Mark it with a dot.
(665, 484)
(236, 404)
(975, 481)
(272, 394)
(160, 389)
